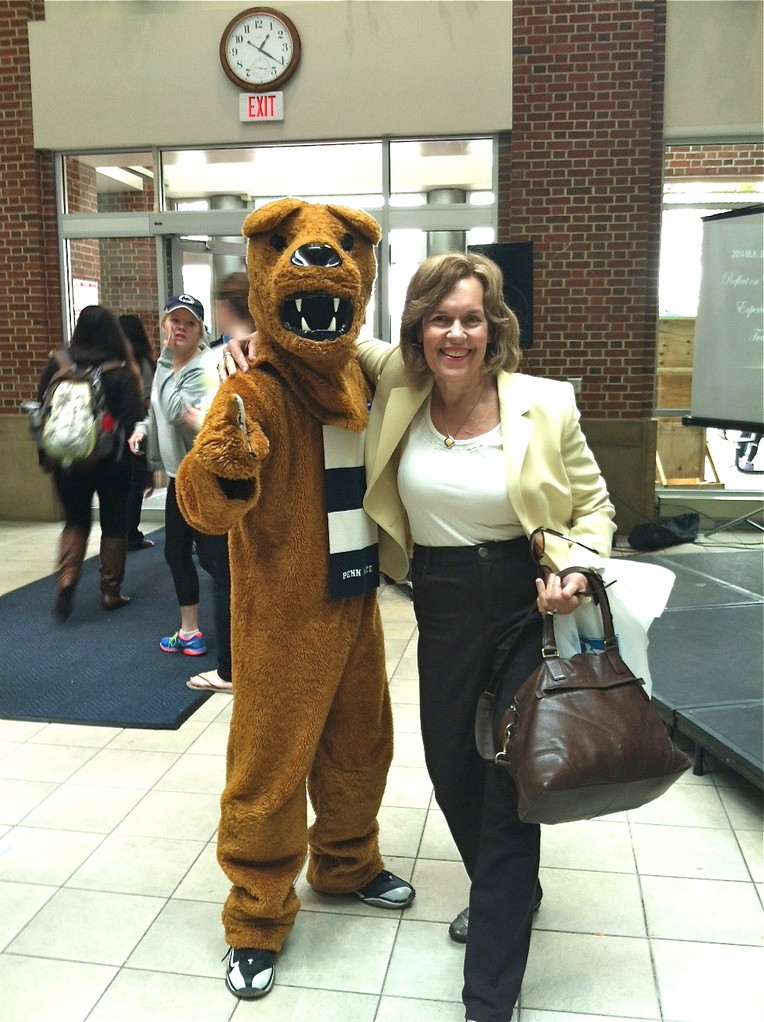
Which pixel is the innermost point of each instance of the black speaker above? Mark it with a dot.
(515, 260)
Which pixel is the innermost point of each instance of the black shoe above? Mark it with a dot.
(250, 972)
(457, 931)
(387, 890)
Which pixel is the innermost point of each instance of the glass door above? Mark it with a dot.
(199, 265)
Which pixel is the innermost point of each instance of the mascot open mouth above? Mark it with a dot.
(317, 316)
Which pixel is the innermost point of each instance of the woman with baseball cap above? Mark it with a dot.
(179, 395)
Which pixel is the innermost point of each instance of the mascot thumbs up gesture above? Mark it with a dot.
(278, 465)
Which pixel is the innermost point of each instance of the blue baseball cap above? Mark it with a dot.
(193, 305)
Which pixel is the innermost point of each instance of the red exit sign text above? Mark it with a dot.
(261, 106)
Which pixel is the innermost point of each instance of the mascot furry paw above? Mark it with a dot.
(278, 465)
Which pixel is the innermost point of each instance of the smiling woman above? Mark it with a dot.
(444, 278)
(465, 458)
(454, 342)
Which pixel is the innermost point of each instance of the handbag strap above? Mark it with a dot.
(62, 358)
(549, 651)
(595, 588)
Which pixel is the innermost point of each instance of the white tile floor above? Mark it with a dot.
(111, 893)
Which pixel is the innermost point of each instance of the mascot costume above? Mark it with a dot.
(278, 465)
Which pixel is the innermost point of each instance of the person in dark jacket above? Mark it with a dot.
(98, 339)
(143, 477)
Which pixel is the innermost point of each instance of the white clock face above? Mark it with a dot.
(259, 49)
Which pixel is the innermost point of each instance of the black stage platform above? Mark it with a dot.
(707, 656)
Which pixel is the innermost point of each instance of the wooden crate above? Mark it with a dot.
(673, 389)
(681, 451)
(674, 365)
(682, 455)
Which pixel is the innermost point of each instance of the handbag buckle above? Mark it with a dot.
(502, 756)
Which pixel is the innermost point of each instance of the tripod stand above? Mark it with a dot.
(748, 519)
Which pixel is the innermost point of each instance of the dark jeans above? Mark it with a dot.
(108, 478)
(140, 480)
(468, 601)
(179, 542)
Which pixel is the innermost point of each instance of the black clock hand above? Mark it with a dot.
(260, 47)
(270, 57)
(265, 52)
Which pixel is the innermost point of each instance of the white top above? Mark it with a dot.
(454, 496)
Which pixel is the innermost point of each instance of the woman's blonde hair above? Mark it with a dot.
(432, 281)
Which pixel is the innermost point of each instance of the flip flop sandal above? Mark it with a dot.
(209, 681)
(143, 544)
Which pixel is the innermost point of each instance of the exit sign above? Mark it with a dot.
(261, 106)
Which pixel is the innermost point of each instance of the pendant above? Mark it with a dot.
(449, 441)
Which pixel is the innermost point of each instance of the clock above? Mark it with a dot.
(259, 49)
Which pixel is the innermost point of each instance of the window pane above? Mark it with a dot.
(347, 171)
(464, 165)
(481, 236)
(197, 281)
(109, 183)
(407, 249)
(679, 281)
(119, 273)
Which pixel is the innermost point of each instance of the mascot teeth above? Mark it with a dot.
(318, 316)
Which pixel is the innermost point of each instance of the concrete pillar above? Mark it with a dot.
(446, 241)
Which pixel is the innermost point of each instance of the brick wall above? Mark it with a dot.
(730, 162)
(128, 265)
(129, 280)
(30, 294)
(581, 176)
(80, 191)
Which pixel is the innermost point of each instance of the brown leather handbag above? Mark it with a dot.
(581, 738)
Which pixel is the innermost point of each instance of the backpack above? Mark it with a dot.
(73, 428)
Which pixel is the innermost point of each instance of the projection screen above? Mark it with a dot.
(728, 355)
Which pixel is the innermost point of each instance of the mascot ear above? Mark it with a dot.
(269, 216)
(362, 222)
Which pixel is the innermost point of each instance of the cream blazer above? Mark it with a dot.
(551, 475)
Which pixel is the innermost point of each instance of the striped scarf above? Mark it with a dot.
(353, 554)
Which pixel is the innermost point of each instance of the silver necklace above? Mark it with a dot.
(450, 439)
